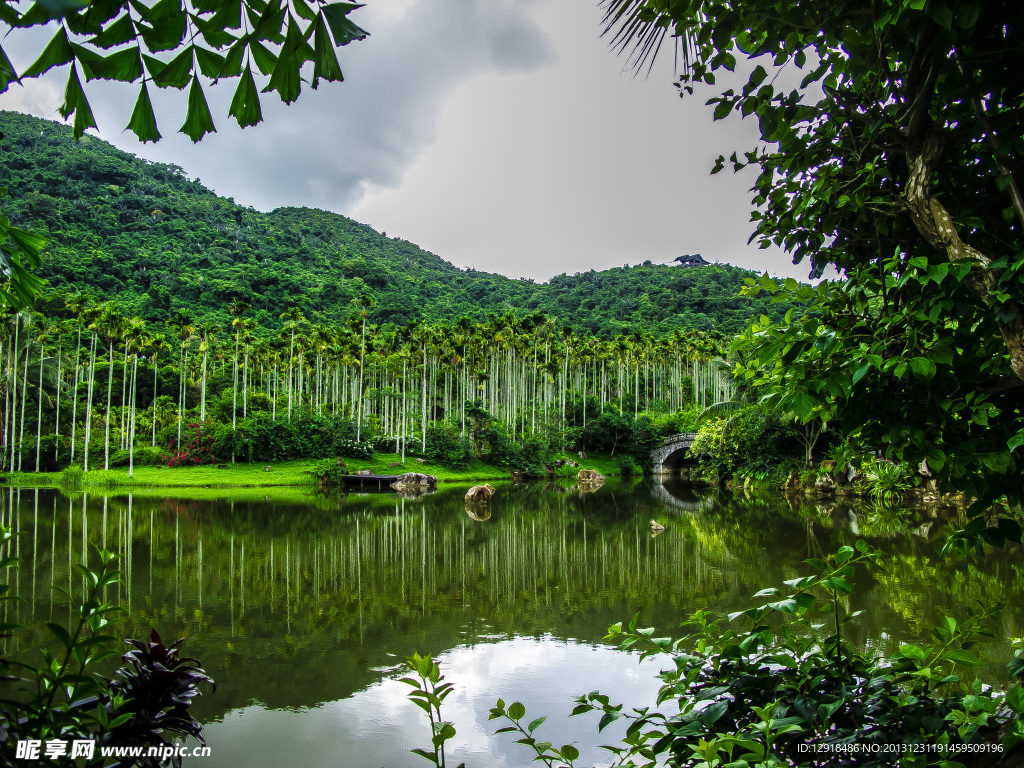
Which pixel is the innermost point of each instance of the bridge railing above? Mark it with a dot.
(681, 437)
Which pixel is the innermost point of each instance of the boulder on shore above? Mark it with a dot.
(590, 476)
(479, 494)
(414, 480)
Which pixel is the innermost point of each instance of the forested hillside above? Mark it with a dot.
(144, 234)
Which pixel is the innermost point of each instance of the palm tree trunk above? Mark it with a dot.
(131, 418)
(39, 414)
(24, 394)
(74, 395)
(106, 426)
(56, 420)
(88, 414)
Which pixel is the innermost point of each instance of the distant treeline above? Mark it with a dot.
(144, 234)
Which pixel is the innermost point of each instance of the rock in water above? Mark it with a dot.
(590, 476)
(414, 480)
(479, 494)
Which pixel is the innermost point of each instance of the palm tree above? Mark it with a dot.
(111, 324)
(236, 309)
(366, 303)
(207, 333)
(292, 317)
(158, 345)
(185, 330)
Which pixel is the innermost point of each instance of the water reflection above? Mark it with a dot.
(308, 607)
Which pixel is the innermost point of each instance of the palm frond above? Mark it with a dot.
(721, 410)
(638, 30)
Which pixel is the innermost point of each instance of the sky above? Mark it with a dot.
(502, 135)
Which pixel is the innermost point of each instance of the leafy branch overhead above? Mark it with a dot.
(185, 43)
(891, 153)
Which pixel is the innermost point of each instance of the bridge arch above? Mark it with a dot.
(673, 453)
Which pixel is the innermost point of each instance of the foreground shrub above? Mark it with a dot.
(778, 694)
(64, 699)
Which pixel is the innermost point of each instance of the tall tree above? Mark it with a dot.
(896, 159)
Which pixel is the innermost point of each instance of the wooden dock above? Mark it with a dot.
(368, 481)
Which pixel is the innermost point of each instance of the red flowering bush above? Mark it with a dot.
(195, 448)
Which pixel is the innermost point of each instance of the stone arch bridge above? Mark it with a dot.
(673, 453)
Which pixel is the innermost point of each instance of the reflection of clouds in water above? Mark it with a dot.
(377, 727)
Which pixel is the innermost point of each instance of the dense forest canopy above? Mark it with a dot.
(156, 241)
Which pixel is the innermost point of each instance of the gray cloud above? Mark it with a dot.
(335, 143)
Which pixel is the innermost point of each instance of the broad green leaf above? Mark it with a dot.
(342, 30)
(233, 61)
(1015, 699)
(143, 120)
(168, 33)
(861, 372)
(7, 72)
(198, 120)
(964, 657)
(245, 104)
(325, 60)
(124, 66)
(177, 72)
(118, 33)
(516, 711)
(75, 102)
(56, 53)
(210, 63)
(43, 11)
(265, 60)
(941, 15)
(923, 367)
(60, 633)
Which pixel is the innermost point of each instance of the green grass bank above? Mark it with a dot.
(285, 473)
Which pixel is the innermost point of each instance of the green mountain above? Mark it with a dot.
(144, 234)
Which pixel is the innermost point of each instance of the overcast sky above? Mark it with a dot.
(499, 134)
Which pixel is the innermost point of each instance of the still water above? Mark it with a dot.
(303, 607)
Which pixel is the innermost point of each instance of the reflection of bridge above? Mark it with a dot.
(672, 453)
(672, 501)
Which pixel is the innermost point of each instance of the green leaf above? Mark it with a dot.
(535, 724)
(963, 657)
(143, 120)
(198, 120)
(56, 53)
(75, 102)
(265, 60)
(118, 33)
(47, 10)
(176, 73)
(60, 633)
(923, 367)
(7, 72)
(1015, 699)
(245, 104)
(342, 30)
(325, 60)
(124, 66)
(169, 32)
(210, 63)
(941, 15)
(516, 711)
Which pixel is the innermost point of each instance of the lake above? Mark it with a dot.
(303, 606)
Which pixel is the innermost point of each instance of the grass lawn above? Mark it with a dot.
(286, 473)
